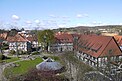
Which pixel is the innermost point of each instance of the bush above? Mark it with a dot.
(35, 53)
(12, 52)
(44, 57)
(2, 57)
(20, 52)
(26, 52)
(35, 75)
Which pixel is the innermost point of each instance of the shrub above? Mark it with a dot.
(44, 57)
(35, 75)
(20, 52)
(26, 52)
(35, 53)
(12, 52)
(2, 57)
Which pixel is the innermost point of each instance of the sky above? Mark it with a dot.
(51, 14)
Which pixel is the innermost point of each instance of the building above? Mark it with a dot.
(63, 42)
(97, 51)
(49, 65)
(18, 42)
(33, 40)
(109, 34)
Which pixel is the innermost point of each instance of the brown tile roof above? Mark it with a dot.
(98, 46)
(64, 37)
(17, 38)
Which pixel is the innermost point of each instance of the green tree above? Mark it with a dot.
(98, 33)
(46, 37)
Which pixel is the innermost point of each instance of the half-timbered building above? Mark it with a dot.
(18, 42)
(63, 42)
(98, 50)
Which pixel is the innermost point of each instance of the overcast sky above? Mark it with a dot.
(43, 14)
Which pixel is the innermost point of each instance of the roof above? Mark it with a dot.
(49, 65)
(118, 38)
(98, 46)
(3, 35)
(64, 37)
(32, 38)
(17, 38)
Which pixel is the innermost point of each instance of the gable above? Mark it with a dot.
(112, 49)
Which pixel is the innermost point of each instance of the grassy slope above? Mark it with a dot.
(24, 66)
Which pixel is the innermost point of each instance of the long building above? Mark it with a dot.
(63, 42)
(98, 50)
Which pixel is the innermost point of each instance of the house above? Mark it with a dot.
(18, 42)
(97, 51)
(63, 42)
(33, 40)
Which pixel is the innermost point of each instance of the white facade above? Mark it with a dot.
(62, 47)
(96, 62)
(23, 46)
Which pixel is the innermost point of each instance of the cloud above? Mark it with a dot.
(53, 16)
(37, 21)
(85, 15)
(120, 23)
(65, 17)
(81, 15)
(28, 22)
(96, 23)
(61, 25)
(84, 24)
(15, 17)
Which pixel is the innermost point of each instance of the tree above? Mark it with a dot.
(46, 37)
(98, 33)
(13, 32)
(22, 29)
(36, 75)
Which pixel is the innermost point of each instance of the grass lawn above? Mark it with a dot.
(11, 59)
(55, 58)
(23, 67)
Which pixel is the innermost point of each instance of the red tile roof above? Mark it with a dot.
(118, 38)
(17, 38)
(64, 37)
(98, 46)
(3, 35)
(32, 38)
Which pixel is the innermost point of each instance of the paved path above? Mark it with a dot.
(2, 78)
